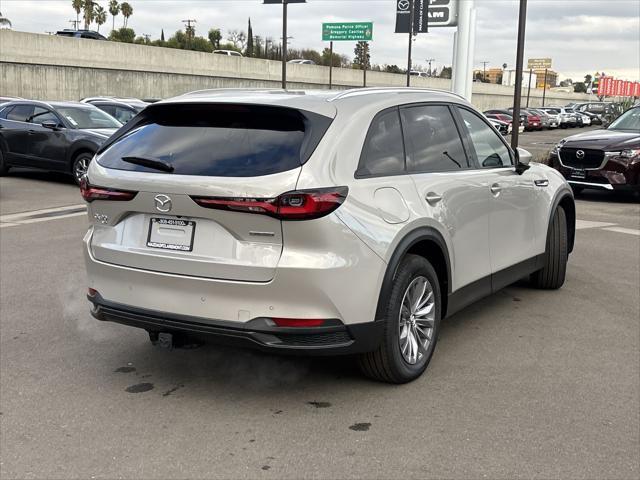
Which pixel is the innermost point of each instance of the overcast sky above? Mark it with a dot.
(581, 36)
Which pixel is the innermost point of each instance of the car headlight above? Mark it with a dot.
(630, 153)
(555, 150)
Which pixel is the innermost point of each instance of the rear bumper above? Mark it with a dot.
(338, 339)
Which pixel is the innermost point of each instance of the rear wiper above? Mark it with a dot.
(154, 163)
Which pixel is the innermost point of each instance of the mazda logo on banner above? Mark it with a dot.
(426, 13)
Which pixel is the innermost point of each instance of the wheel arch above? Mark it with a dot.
(564, 198)
(77, 149)
(428, 243)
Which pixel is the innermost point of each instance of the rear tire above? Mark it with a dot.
(4, 168)
(552, 275)
(412, 312)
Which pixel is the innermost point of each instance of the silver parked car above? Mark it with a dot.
(317, 223)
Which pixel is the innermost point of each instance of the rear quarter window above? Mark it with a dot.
(219, 140)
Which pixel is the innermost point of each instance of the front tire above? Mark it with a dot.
(412, 325)
(552, 275)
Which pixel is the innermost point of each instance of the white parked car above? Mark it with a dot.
(317, 223)
(302, 61)
(230, 53)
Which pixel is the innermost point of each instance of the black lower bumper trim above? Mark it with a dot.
(337, 339)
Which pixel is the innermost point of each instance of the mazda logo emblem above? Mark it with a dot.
(403, 5)
(163, 203)
(580, 154)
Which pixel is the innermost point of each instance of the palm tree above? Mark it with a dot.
(100, 16)
(114, 9)
(77, 6)
(127, 11)
(89, 13)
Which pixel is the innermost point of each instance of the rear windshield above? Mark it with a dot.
(219, 140)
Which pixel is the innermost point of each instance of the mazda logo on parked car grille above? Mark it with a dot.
(580, 154)
(163, 203)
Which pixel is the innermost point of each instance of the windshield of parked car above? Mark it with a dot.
(86, 118)
(629, 120)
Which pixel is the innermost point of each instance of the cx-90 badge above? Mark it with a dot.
(163, 203)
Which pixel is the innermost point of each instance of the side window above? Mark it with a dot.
(42, 115)
(383, 152)
(123, 115)
(111, 110)
(432, 140)
(20, 113)
(491, 152)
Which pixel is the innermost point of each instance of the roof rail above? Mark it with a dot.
(377, 90)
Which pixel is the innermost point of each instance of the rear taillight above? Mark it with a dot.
(297, 205)
(91, 193)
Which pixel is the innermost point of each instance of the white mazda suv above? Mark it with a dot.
(316, 223)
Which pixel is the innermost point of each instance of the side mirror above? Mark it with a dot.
(50, 124)
(523, 158)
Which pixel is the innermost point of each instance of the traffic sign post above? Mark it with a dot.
(284, 34)
(347, 32)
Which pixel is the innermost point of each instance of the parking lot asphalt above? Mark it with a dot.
(524, 384)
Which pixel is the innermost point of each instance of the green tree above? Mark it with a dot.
(249, 51)
(446, 72)
(392, 69)
(127, 10)
(88, 8)
(328, 59)
(362, 57)
(77, 5)
(124, 35)
(214, 37)
(162, 36)
(114, 10)
(4, 21)
(587, 79)
(579, 87)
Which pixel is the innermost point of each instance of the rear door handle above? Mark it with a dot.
(496, 189)
(541, 183)
(432, 198)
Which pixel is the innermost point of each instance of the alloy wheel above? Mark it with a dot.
(417, 318)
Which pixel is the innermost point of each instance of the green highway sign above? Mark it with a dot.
(352, 31)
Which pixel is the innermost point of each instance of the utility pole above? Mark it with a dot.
(411, 17)
(522, 23)
(484, 71)
(190, 30)
(430, 60)
(366, 61)
(74, 23)
(544, 87)
(464, 49)
(284, 44)
(529, 89)
(147, 37)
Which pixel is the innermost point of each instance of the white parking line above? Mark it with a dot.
(44, 215)
(628, 231)
(582, 224)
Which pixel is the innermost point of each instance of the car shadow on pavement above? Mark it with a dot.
(40, 175)
(202, 371)
(606, 196)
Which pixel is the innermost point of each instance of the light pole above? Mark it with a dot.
(517, 97)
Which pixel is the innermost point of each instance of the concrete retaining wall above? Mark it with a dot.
(58, 68)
